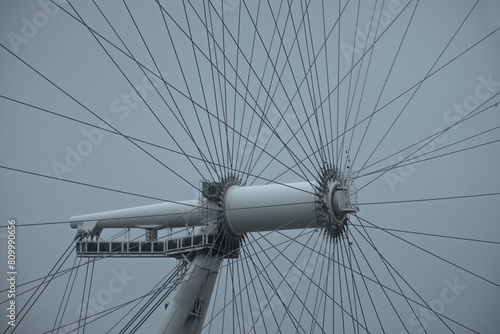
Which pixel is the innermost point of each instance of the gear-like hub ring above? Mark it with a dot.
(330, 195)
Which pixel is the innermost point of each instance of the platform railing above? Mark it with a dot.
(174, 247)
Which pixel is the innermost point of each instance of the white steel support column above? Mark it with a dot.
(187, 310)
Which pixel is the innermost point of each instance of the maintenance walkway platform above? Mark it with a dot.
(175, 247)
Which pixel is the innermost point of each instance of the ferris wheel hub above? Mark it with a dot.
(337, 197)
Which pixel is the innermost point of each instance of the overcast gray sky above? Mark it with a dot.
(39, 39)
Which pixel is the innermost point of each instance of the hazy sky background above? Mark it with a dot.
(65, 51)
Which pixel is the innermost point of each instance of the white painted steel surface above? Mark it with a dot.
(162, 215)
(247, 209)
(270, 207)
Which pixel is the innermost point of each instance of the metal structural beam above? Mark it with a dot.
(225, 211)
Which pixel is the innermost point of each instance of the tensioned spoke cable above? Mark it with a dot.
(246, 284)
(354, 66)
(94, 186)
(255, 294)
(142, 98)
(429, 139)
(93, 113)
(366, 75)
(382, 287)
(365, 285)
(256, 253)
(22, 313)
(64, 298)
(273, 76)
(433, 254)
(297, 29)
(350, 254)
(226, 266)
(82, 304)
(177, 90)
(330, 92)
(166, 285)
(339, 284)
(315, 284)
(235, 150)
(322, 297)
(273, 288)
(414, 85)
(304, 79)
(431, 199)
(324, 152)
(257, 277)
(309, 86)
(37, 224)
(421, 160)
(336, 155)
(225, 110)
(267, 52)
(213, 66)
(319, 292)
(385, 81)
(187, 86)
(135, 139)
(69, 294)
(202, 159)
(327, 71)
(347, 289)
(374, 280)
(218, 97)
(294, 241)
(44, 279)
(185, 127)
(318, 298)
(420, 85)
(429, 75)
(263, 116)
(386, 264)
(350, 100)
(226, 303)
(252, 161)
(385, 170)
(172, 87)
(239, 147)
(430, 234)
(103, 313)
(88, 296)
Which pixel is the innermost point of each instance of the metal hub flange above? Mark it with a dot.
(335, 199)
(226, 240)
